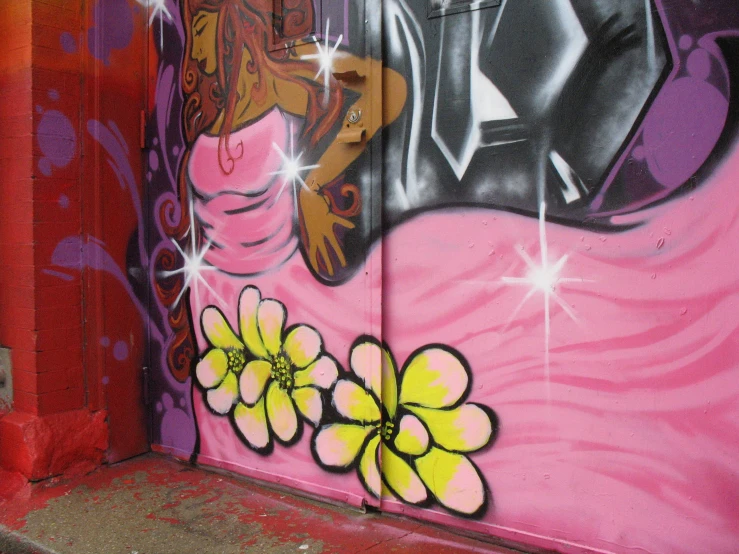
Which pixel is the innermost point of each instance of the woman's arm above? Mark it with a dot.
(379, 107)
(293, 98)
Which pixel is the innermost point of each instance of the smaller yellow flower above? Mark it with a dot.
(286, 378)
(217, 371)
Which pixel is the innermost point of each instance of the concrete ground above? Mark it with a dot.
(156, 505)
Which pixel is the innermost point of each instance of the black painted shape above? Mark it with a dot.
(579, 75)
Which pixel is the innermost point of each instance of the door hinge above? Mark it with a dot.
(146, 393)
(142, 130)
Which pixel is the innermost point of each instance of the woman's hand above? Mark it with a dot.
(319, 223)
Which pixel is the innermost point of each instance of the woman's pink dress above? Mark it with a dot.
(636, 414)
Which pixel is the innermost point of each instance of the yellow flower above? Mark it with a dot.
(217, 371)
(412, 438)
(285, 379)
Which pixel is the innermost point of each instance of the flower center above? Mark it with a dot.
(282, 372)
(236, 360)
(387, 430)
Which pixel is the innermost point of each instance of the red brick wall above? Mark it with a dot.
(17, 272)
(58, 316)
(59, 383)
(41, 316)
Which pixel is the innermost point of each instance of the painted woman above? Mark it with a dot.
(247, 105)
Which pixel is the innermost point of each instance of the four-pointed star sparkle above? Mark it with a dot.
(158, 7)
(193, 266)
(543, 277)
(325, 57)
(291, 168)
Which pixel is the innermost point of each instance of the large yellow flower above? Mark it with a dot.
(412, 438)
(285, 379)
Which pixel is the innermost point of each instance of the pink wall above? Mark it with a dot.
(537, 231)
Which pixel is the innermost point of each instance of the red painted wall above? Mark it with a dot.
(16, 192)
(41, 320)
(53, 179)
(60, 382)
(112, 99)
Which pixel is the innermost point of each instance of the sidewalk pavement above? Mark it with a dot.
(156, 505)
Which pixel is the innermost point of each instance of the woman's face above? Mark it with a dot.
(204, 28)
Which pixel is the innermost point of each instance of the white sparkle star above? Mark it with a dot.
(543, 278)
(291, 168)
(194, 265)
(158, 7)
(325, 56)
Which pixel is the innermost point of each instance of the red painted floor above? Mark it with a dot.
(155, 505)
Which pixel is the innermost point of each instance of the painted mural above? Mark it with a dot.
(262, 180)
(466, 261)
